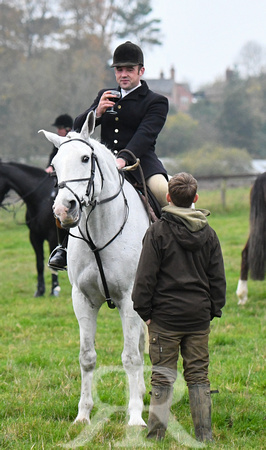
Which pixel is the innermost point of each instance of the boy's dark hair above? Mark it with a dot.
(182, 189)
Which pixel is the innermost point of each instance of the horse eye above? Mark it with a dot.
(85, 159)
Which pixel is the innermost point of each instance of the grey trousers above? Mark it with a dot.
(164, 346)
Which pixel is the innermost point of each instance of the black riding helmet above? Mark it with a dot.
(128, 54)
(64, 120)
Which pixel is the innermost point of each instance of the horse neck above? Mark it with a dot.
(23, 183)
(106, 217)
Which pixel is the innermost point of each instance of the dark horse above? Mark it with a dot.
(254, 252)
(35, 187)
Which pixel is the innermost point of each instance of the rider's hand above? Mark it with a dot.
(121, 163)
(104, 104)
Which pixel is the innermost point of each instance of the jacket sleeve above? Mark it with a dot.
(79, 120)
(217, 281)
(146, 276)
(52, 155)
(149, 128)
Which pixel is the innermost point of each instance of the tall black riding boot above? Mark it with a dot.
(200, 407)
(159, 410)
(58, 257)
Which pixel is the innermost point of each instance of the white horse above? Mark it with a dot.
(107, 220)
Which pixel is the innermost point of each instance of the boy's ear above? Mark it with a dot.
(196, 198)
(168, 198)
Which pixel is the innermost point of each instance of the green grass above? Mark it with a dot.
(39, 347)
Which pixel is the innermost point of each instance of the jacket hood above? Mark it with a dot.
(189, 226)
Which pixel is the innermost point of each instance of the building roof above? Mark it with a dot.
(162, 85)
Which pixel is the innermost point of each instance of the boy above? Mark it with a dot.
(179, 288)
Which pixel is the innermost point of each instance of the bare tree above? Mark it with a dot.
(27, 25)
(111, 19)
(251, 59)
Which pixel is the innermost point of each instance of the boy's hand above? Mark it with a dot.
(148, 322)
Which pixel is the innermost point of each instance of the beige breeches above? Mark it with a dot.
(159, 187)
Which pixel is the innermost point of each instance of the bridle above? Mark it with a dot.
(90, 185)
(93, 204)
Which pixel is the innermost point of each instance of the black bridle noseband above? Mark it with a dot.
(93, 204)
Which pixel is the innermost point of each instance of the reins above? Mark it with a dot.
(88, 239)
(134, 167)
(96, 250)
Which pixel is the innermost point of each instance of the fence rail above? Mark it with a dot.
(223, 181)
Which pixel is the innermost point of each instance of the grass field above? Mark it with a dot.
(39, 347)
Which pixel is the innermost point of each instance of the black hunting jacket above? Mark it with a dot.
(140, 117)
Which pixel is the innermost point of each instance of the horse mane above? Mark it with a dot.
(257, 238)
(32, 170)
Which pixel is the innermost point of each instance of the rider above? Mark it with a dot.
(140, 116)
(64, 124)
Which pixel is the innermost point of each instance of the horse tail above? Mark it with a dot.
(257, 238)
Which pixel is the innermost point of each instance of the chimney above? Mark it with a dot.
(229, 74)
(172, 72)
(161, 75)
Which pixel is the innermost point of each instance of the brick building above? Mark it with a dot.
(178, 94)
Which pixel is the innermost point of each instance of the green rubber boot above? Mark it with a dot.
(200, 407)
(159, 410)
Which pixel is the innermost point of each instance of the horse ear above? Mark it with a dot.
(52, 137)
(88, 126)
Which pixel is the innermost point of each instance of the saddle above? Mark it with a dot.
(150, 202)
(153, 204)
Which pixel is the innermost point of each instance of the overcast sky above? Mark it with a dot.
(201, 38)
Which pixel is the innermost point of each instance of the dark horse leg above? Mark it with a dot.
(244, 262)
(37, 244)
(242, 287)
(55, 290)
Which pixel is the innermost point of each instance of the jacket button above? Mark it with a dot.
(116, 130)
(115, 141)
(117, 119)
(119, 107)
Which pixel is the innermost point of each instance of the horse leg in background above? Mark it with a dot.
(37, 245)
(132, 359)
(87, 319)
(55, 288)
(242, 287)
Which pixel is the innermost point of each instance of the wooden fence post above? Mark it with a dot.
(223, 192)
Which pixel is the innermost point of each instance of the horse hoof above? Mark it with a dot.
(56, 291)
(39, 294)
(134, 421)
(242, 301)
(80, 419)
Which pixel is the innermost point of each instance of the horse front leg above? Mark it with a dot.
(87, 319)
(242, 286)
(37, 244)
(132, 359)
(55, 287)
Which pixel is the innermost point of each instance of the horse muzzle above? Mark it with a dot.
(69, 217)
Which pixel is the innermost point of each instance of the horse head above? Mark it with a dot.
(75, 166)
